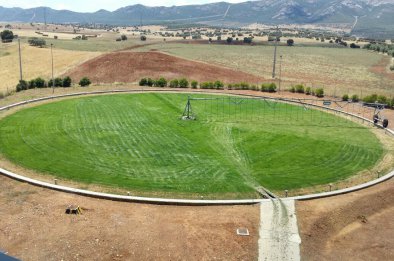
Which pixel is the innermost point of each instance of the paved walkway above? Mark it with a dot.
(279, 238)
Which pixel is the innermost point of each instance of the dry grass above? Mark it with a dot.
(36, 63)
(337, 70)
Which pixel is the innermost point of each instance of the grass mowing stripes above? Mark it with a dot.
(138, 142)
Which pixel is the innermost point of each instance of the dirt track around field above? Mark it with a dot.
(34, 227)
(355, 226)
(130, 67)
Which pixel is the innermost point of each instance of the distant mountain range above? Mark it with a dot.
(370, 18)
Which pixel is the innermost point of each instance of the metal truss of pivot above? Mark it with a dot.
(188, 112)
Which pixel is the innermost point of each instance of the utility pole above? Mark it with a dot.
(276, 47)
(45, 17)
(53, 81)
(20, 60)
(280, 72)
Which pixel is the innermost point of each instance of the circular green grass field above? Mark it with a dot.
(138, 142)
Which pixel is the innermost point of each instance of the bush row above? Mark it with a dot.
(218, 85)
(371, 99)
(300, 88)
(57, 82)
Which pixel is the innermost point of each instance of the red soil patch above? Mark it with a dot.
(381, 68)
(130, 67)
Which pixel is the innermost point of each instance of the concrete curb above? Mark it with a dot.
(182, 201)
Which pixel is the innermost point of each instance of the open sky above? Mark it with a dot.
(94, 5)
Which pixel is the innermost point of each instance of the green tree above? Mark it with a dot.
(37, 42)
(67, 81)
(345, 97)
(22, 85)
(290, 42)
(143, 38)
(174, 83)
(319, 92)
(40, 83)
(183, 83)
(7, 36)
(84, 82)
(194, 84)
(123, 37)
(162, 82)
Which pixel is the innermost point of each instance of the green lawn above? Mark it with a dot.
(138, 142)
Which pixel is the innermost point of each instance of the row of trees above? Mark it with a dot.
(381, 47)
(218, 85)
(57, 82)
(300, 88)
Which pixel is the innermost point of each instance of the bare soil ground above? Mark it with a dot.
(381, 68)
(34, 227)
(356, 226)
(132, 66)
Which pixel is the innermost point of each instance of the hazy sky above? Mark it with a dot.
(94, 5)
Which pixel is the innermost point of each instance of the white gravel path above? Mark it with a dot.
(279, 238)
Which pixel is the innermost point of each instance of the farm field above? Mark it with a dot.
(140, 144)
(130, 67)
(36, 63)
(337, 70)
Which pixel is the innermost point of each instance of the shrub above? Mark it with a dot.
(123, 37)
(392, 66)
(7, 36)
(143, 38)
(67, 82)
(218, 85)
(32, 84)
(37, 42)
(174, 83)
(345, 97)
(149, 82)
(299, 88)
(319, 92)
(207, 85)
(194, 84)
(308, 91)
(229, 40)
(290, 42)
(183, 83)
(143, 82)
(382, 99)
(84, 82)
(370, 98)
(230, 86)
(40, 83)
(268, 87)
(292, 89)
(58, 82)
(22, 85)
(244, 86)
(248, 40)
(161, 82)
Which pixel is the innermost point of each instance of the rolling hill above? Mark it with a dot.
(370, 18)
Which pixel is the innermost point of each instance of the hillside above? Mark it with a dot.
(367, 17)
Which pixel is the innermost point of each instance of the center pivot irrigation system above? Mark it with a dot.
(253, 107)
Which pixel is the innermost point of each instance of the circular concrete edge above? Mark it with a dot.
(165, 201)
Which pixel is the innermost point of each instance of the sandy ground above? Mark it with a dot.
(356, 226)
(34, 227)
(132, 66)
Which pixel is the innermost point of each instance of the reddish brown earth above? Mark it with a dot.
(34, 227)
(355, 226)
(130, 67)
(381, 68)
